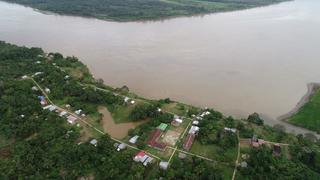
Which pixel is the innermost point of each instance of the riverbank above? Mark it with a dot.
(302, 114)
(312, 89)
(142, 10)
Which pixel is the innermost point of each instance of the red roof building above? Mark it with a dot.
(153, 140)
(188, 141)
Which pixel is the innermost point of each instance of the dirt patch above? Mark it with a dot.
(171, 137)
(245, 143)
(118, 131)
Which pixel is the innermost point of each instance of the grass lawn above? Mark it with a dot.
(120, 114)
(309, 115)
(214, 152)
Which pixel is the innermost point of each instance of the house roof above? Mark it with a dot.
(188, 142)
(134, 139)
(163, 126)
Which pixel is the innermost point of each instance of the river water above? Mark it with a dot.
(256, 60)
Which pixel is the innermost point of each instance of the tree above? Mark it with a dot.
(255, 118)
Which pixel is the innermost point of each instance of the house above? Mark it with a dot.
(134, 139)
(38, 73)
(63, 113)
(78, 111)
(71, 119)
(163, 165)
(176, 122)
(195, 122)
(226, 129)
(188, 141)
(182, 155)
(153, 140)
(50, 107)
(255, 142)
(121, 146)
(67, 77)
(126, 99)
(163, 126)
(194, 129)
(159, 110)
(47, 90)
(243, 164)
(43, 100)
(143, 158)
(24, 77)
(34, 88)
(94, 142)
(276, 150)
(204, 113)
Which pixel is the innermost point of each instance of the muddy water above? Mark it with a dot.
(116, 130)
(257, 60)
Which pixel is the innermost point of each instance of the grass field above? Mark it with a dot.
(309, 115)
(214, 152)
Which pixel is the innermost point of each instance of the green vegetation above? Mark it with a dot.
(131, 10)
(39, 144)
(309, 115)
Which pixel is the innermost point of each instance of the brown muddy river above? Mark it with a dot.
(116, 130)
(256, 60)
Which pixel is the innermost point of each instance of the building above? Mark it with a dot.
(176, 122)
(195, 122)
(126, 99)
(78, 111)
(134, 139)
(194, 130)
(255, 142)
(243, 164)
(47, 90)
(163, 126)
(226, 129)
(153, 140)
(71, 119)
(188, 141)
(182, 155)
(63, 113)
(43, 100)
(121, 146)
(94, 142)
(142, 157)
(163, 165)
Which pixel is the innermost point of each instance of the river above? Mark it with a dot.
(256, 60)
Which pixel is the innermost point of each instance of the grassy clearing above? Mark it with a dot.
(214, 152)
(309, 115)
(120, 114)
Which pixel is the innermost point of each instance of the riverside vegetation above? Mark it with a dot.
(38, 144)
(132, 10)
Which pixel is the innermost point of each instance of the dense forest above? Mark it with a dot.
(39, 144)
(130, 10)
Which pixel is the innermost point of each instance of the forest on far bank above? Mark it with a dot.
(133, 10)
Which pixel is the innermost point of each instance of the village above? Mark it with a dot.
(165, 141)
